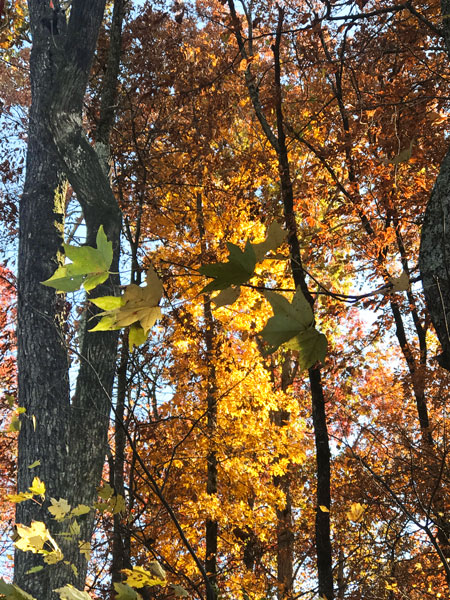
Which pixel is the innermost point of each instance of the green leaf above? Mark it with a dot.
(35, 464)
(312, 347)
(292, 325)
(62, 281)
(288, 320)
(179, 591)
(107, 302)
(239, 268)
(68, 592)
(125, 592)
(104, 246)
(227, 296)
(34, 570)
(275, 237)
(136, 336)
(10, 591)
(92, 281)
(89, 266)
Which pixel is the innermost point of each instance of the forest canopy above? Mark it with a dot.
(224, 334)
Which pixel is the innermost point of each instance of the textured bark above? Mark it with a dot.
(121, 540)
(434, 254)
(69, 439)
(434, 259)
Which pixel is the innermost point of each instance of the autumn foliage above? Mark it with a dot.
(280, 475)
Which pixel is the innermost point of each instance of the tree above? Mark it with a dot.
(55, 428)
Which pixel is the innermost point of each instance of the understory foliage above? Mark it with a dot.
(222, 112)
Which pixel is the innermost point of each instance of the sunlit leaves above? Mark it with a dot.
(137, 307)
(32, 538)
(139, 577)
(37, 488)
(89, 267)
(356, 512)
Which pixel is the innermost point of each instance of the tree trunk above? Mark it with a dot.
(69, 439)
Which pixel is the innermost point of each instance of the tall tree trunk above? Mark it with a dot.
(69, 439)
(211, 410)
(278, 143)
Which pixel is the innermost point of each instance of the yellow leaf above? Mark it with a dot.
(324, 508)
(32, 538)
(356, 512)
(59, 509)
(138, 577)
(85, 549)
(38, 487)
(79, 510)
(54, 557)
(243, 65)
(138, 305)
(16, 498)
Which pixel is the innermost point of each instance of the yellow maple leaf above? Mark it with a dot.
(32, 538)
(16, 498)
(54, 557)
(59, 508)
(137, 305)
(38, 488)
(139, 577)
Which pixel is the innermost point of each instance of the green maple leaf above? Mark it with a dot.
(10, 591)
(239, 268)
(292, 325)
(125, 592)
(89, 267)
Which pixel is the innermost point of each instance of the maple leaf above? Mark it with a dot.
(16, 498)
(139, 577)
(32, 538)
(37, 488)
(138, 305)
(227, 296)
(79, 510)
(59, 509)
(54, 557)
(125, 592)
(89, 266)
(11, 591)
(179, 591)
(68, 592)
(292, 326)
(239, 268)
(400, 284)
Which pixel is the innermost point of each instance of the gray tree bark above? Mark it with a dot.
(434, 254)
(67, 437)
